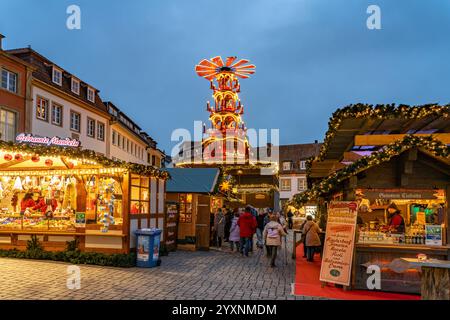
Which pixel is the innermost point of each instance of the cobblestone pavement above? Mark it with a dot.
(182, 275)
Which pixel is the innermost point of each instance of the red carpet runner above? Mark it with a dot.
(307, 284)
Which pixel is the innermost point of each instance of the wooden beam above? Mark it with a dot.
(384, 139)
(441, 168)
(13, 162)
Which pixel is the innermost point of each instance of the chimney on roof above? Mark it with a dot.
(1, 38)
(316, 141)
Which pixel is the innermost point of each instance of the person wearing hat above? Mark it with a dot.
(396, 220)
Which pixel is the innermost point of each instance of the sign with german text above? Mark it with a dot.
(54, 141)
(339, 242)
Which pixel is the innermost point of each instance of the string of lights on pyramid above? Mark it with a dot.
(227, 137)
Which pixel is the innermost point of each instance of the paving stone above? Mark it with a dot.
(182, 275)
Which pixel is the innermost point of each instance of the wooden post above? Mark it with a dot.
(447, 220)
(126, 211)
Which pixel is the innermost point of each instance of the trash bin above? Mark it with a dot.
(147, 247)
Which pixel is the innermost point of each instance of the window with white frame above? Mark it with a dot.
(75, 86)
(302, 184)
(285, 184)
(57, 115)
(90, 94)
(90, 127)
(41, 108)
(302, 165)
(287, 165)
(119, 140)
(114, 137)
(57, 76)
(100, 131)
(75, 121)
(8, 125)
(9, 80)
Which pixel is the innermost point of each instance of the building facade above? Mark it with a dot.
(63, 105)
(292, 168)
(129, 142)
(15, 75)
(47, 100)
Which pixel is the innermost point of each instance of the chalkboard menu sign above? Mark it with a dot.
(172, 216)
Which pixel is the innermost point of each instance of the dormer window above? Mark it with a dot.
(75, 86)
(57, 76)
(90, 94)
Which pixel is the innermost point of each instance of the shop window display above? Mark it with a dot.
(49, 203)
(140, 197)
(400, 221)
(186, 208)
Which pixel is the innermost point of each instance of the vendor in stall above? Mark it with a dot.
(42, 205)
(396, 221)
(27, 202)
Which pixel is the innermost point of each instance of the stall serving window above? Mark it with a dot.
(54, 202)
(140, 195)
(185, 208)
(402, 217)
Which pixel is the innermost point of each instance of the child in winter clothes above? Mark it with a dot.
(272, 238)
(235, 237)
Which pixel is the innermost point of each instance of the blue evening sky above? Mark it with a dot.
(311, 56)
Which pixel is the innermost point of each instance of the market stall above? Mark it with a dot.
(400, 183)
(62, 193)
(191, 191)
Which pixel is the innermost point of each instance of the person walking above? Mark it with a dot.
(235, 234)
(247, 228)
(228, 218)
(312, 240)
(219, 227)
(272, 237)
(290, 217)
(260, 228)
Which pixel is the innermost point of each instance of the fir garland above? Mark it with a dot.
(385, 154)
(378, 111)
(84, 154)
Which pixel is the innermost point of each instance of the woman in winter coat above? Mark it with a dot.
(312, 240)
(235, 237)
(272, 234)
(219, 227)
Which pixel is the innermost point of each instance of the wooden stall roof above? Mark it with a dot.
(192, 180)
(347, 123)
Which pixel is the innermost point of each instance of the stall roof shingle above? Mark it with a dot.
(192, 180)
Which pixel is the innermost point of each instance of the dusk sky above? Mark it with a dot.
(311, 57)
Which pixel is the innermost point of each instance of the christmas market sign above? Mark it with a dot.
(391, 194)
(54, 141)
(339, 242)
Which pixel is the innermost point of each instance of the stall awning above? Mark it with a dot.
(192, 180)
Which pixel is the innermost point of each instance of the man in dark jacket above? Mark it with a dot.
(228, 217)
(247, 225)
(260, 220)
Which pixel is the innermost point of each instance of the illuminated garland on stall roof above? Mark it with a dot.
(385, 154)
(85, 155)
(367, 111)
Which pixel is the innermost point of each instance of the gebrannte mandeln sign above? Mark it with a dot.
(53, 141)
(339, 242)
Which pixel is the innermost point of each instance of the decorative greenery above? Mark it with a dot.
(84, 154)
(367, 111)
(385, 154)
(71, 255)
